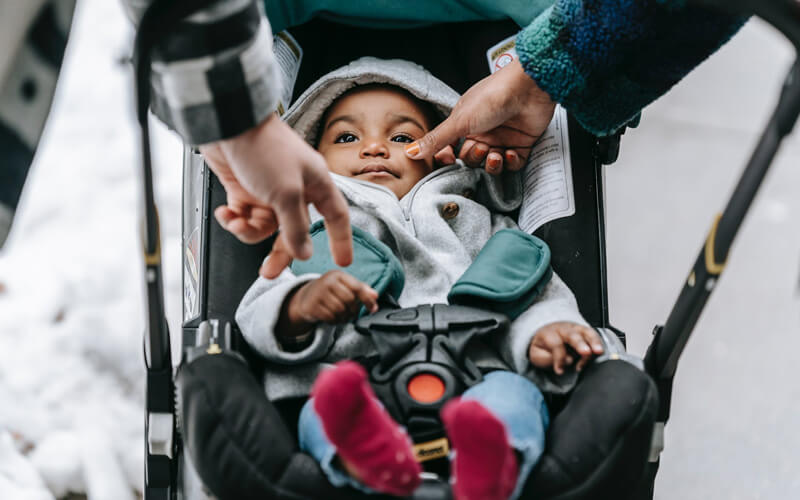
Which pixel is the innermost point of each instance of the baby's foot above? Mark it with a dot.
(484, 467)
(366, 438)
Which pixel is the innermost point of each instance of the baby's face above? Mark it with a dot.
(365, 134)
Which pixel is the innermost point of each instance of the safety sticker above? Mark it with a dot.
(547, 178)
(289, 55)
(501, 54)
(191, 277)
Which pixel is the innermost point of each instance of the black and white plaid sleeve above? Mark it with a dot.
(215, 75)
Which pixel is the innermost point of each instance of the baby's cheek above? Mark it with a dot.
(338, 162)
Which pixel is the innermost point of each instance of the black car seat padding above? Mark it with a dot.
(240, 445)
(236, 439)
(243, 449)
(597, 446)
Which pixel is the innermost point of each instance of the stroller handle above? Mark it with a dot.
(784, 15)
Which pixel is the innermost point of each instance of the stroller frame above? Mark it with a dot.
(162, 441)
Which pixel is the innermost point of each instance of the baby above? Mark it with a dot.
(432, 222)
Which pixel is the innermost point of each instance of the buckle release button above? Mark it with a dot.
(426, 388)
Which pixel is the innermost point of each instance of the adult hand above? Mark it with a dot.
(270, 175)
(501, 117)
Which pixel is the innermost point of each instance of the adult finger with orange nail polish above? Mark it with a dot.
(445, 157)
(466, 149)
(476, 155)
(494, 161)
(513, 161)
(505, 110)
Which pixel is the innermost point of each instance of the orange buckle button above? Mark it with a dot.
(426, 388)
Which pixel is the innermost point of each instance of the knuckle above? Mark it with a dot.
(290, 196)
(337, 275)
(430, 139)
(319, 163)
(338, 214)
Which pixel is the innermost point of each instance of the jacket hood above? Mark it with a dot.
(305, 113)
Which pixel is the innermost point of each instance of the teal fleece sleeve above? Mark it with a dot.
(604, 60)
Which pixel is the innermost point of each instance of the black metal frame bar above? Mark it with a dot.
(159, 469)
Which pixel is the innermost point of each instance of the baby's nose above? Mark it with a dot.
(375, 148)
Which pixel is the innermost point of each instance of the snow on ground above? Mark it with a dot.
(71, 287)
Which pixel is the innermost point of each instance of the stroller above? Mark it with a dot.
(225, 438)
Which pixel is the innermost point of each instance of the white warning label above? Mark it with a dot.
(289, 55)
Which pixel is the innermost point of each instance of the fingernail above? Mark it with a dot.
(412, 149)
(493, 162)
(481, 149)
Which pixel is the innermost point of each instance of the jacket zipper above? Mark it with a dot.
(406, 207)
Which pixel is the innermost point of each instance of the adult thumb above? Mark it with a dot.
(446, 133)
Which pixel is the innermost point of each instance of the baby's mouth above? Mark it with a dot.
(377, 168)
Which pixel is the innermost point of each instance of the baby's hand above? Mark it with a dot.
(548, 347)
(334, 297)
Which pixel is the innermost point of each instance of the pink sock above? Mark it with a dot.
(484, 467)
(364, 434)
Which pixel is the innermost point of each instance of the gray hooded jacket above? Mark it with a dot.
(435, 246)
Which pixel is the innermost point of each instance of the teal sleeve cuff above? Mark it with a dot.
(605, 60)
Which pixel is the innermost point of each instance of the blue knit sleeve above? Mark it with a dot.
(604, 60)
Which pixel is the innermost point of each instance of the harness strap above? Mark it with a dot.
(508, 274)
(510, 271)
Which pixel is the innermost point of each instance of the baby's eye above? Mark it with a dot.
(345, 137)
(402, 138)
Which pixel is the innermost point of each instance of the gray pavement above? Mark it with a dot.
(735, 426)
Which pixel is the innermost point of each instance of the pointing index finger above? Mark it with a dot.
(330, 203)
(292, 215)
